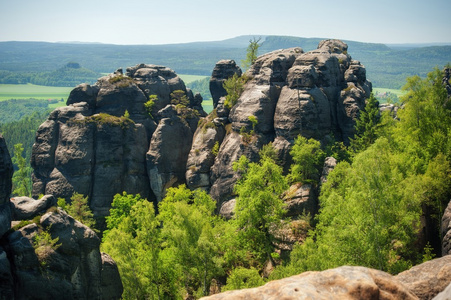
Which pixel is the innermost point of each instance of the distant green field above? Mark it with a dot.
(190, 78)
(26, 91)
(398, 93)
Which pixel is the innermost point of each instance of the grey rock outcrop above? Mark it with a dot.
(168, 152)
(25, 208)
(223, 70)
(98, 145)
(340, 283)
(6, 174)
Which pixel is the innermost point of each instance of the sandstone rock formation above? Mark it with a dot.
(6, 174)
(340, 283)
(316, 94)
(428, 279)
(98, 145)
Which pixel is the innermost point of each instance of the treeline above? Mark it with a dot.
(396, 169)
(69, 76)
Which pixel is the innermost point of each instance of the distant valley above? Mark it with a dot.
(387, 66)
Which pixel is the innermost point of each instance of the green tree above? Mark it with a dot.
(80, 210)
(242, 278)
(251, 53)
(188, 226)
(134, 243)
(259, 207)
(366, 126)
(234, 87)
(22, 177)
(308, 159)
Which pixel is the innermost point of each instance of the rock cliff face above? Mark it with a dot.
(98, 145)
(91, 147)
(6, 174)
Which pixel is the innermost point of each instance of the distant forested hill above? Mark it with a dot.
(386, 67)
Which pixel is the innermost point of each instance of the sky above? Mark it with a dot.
(180, 21)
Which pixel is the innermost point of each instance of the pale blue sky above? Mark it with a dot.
(177, 21)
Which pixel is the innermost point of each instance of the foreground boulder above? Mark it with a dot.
(340, 283)
(428, 279)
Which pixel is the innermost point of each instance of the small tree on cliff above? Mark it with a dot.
(251, 53)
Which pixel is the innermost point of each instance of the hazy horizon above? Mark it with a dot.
(141, 22)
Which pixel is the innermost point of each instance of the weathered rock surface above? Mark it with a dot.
(25, 208)
(168, 152)
(428, 279)
(340, 283)
(223, 70)
(73, 270)
(6, 174)
(92, 148)
(301, 199)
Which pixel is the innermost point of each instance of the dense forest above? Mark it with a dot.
(396, 169)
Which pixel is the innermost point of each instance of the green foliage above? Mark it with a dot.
(366, 126)
(121, 81)
(188, 231)
(79, 209)
(215, 149)
(134, 244)
(179, 98)
(120, 208)
(251, 53)
(149, 105)
(253, 120)
(242, 278)
(370, 209)
(259, 208)
(22, 177)
(234, 87)
(308, 159)
(44, 246)
(106, 119)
